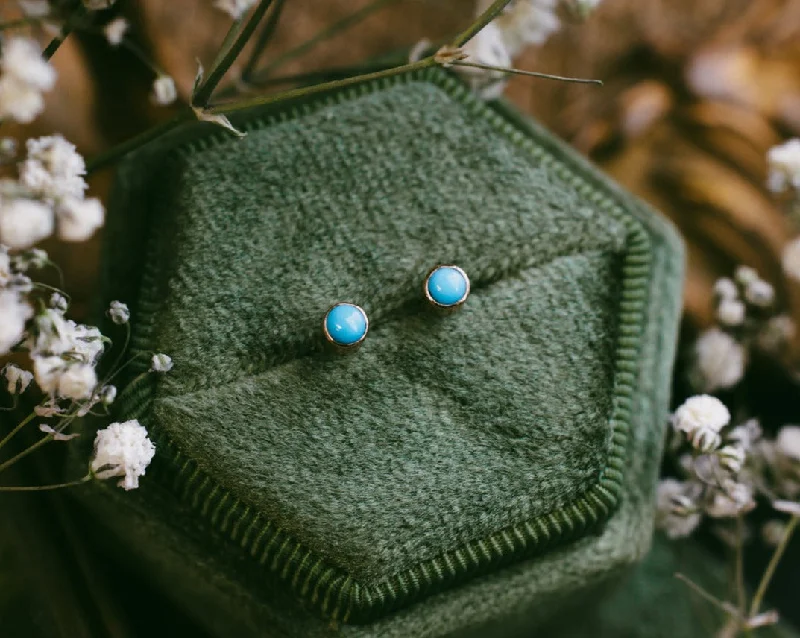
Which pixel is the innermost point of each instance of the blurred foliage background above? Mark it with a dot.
(696, 92)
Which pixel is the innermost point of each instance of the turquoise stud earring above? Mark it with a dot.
(446, 287)
(345, 326)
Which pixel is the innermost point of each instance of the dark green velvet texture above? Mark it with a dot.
(441, 431)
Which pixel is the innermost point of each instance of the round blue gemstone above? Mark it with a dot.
(448, 286)
(346, 324)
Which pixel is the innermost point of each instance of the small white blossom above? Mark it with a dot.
(58, 302)
(783, 162)
(732, 458)
(53, 169)
(119, 312)
(745, 435)
(791, 259)
(725, 289)
(23, 222)
(122, 449)
(33, 258)
(161, 363)
(731, 501)
(759, 293)
(528, 22)
(731, 312)
(676, 512)
(701, 418)
(745, 275)
(234, 8)
(107, 394)
(719, 361)
(487, 47)
(79, 218)
(164, 91)
(788, 442)
(18, 379)
(14, 313)
(25, 76)
(777, 333)
(61, 378)
(115, 31)
(8, 149)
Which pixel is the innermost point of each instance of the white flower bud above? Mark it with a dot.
(18, 379)
(676, 513)
(760, 293)
(122, 449)
(731, 312)
(732, 458)
(161, 363)
(115, 31)
(731, 501)
(725, 288)
(23, 222)
(745, 275)
(701, 418)
(164, 91)
(719, 361)
(788, 442)
(784, 166)
(119, 312)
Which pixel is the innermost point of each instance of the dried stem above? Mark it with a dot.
(223, 63)
(327, 33)
(723, 606)
(773, 564)
(26, 451)
(741, 591)
(534, 74)
(41, 488)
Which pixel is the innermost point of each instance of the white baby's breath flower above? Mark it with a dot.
(77, 382)
(732, 458)
(164, 91)
(18, 379)
(787, 442)
(783, 162)
(122, 449)
(33, 258)
(759, 293)
(58, 302)
(25, 76)
(79, 218)
(745, 275)
(776, 334)
(161, 363)
(115, 31)
(701, 418)
(719, 361)
(107, 394)
(731, 501)
(725, 289)
(528, 22)
(791, 259)
(745, 435)
(487, 47)
(234, 8)
(23, 222)
(676, 513)
(731, 312)
(14, 313)
(119, 312)
(53, 170)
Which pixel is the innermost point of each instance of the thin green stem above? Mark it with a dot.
(221, 66)
(335, 29)
(483, 19)
(319, 88)
(741, 591)
(69, 25)
(533, 74)
(263, 39)
(19, 427)
(723, 606)
(26, 451)
(41, 488)
(772, 566)
(113, 154)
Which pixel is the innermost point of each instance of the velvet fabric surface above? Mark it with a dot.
(456, 472)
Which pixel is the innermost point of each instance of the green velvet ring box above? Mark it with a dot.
(460, 473)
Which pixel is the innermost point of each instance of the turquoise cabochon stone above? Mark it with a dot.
(447, 286)
(346, 324)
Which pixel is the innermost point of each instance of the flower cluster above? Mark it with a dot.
(726, 468)
(744, 308)
(24, 77)
(523, 23)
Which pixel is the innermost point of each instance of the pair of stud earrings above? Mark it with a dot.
(345, 325)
